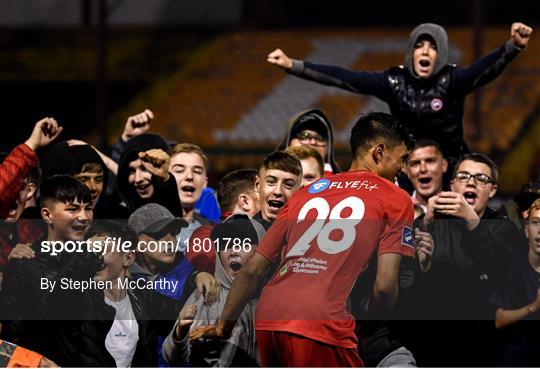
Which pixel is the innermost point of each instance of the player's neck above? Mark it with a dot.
(360, 164)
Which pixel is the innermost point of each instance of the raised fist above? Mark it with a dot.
(156, 161)
(279, 58)
(45, 131)
(521, 34)
(137, 124)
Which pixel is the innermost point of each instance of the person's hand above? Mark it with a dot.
(156, 161)
(45, 131)
(208, 286)
(280, 59)
(187, 314)
(22, 251)
(520, 34)
(215, 332)
(137, 124)
(454, 204)
(430, 212)
(109, 163)
(423, 245)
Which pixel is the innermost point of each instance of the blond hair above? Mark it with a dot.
(189, 149)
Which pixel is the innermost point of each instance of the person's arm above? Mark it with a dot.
(18, 163)
(135, 125)
(507, 317)
(242, 290)
(491, 66)
(385, 289)
(424, 246)
(369, 83)
(176, 348)
(156, 161)
(111, 165)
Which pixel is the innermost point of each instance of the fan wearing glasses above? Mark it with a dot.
(312, 128)
(474, 182)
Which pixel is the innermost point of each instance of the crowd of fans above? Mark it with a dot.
(469, 292)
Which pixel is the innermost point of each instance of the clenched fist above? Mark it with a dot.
(521, 34)
(280, 59)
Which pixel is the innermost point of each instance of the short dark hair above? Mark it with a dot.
(284, 161)
(233, 184)
(479, 158)
(114, 228)
(374, 126)
(64, 188)
(426, 142)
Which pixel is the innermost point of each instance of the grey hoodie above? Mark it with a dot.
(239, 350)
(441, 40)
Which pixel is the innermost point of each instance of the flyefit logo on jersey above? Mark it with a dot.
(320, 185)
(407, 237)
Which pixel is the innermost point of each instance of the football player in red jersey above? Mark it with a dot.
(323, 239)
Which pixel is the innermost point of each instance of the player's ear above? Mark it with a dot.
(244, 201)
(444, 165)
(257, 183)
(378, 152)
(129, 258)
(46, 215)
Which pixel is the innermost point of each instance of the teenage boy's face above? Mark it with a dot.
(190, 174)
(140, 179)
(532, 230)
(476, 194)
(311, 171)
(312, 139)
(160, 250)
(275, 188)
(19, 204)
(115, 263)
(94, 181)
(424, 56)
(233, 261)
(425, 169)
(69, 220)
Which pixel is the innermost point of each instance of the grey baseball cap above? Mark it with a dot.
(153, 218)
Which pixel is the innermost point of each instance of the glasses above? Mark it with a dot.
(305, 138)
(480, 179)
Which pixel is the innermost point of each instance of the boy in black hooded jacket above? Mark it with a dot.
(426, 93)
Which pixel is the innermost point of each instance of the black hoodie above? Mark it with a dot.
(165, 193)
(65, 159)
(432, 107)
(323, 120)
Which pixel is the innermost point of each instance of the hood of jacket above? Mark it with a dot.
(239, 346)
(131, 151)
(441, 40)
(65, 159)
(299, 119)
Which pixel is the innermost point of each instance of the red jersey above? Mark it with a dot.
(323, 239)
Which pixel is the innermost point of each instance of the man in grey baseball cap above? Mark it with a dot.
(154, 219)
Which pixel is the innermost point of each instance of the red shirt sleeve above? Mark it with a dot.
(276, 236)
(398, 234)
(13, 170)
